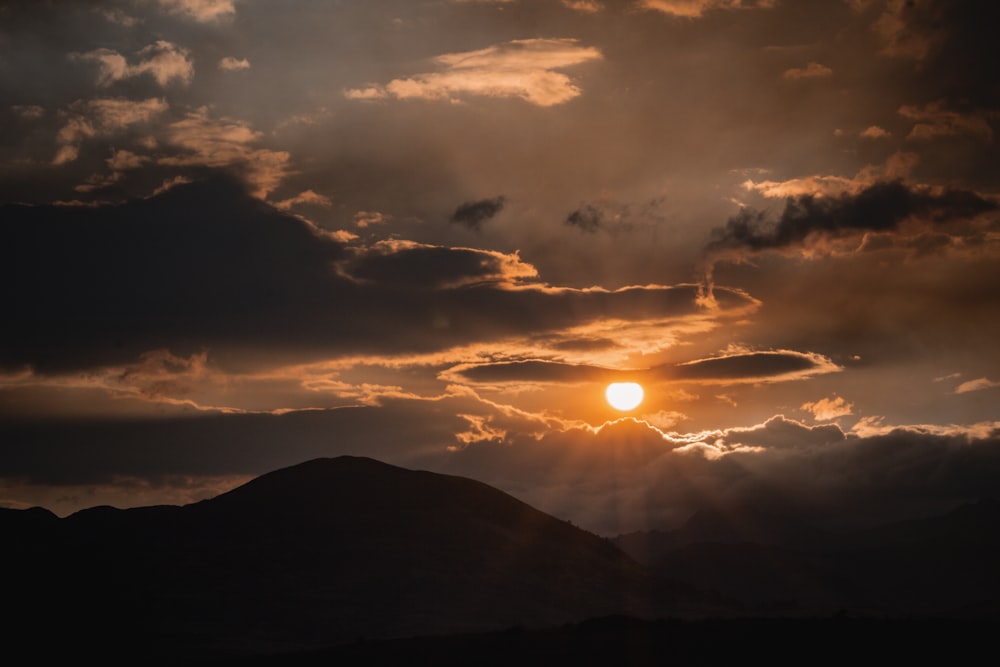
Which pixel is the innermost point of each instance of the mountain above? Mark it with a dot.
(735, 525)
(321, 553)
(936, 566)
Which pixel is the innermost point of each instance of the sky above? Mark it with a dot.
(241, 234)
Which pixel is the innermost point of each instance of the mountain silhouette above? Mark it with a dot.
(321, 553)
(936, 566)
(333, 551)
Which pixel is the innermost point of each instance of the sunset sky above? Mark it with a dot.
(240, 234)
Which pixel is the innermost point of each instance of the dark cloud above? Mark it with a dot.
(955, 43)
(878, 208)
(205, 266)
(473, 214)
(728, 368)
(745, 366)
(588, 218)
(537, 371)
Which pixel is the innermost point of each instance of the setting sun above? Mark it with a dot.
(624, 395)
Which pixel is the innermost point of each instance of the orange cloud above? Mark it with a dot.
(813, 70)
(162, 60)
(525, 69)
(695, 8)
(827, 409)
(201, 10)
(935, 120)
(100, 117)
(225, 142)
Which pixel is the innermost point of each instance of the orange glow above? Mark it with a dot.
(624, 395)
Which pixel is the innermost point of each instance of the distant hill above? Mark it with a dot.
(937, 566)
(321, 553)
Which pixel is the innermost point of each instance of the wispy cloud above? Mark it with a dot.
(897, 166)
(586, 6)
(201, 10)
(308, 197)
(525, 69)
(813, 70)
(226, 142)
(875, 132)
(99, 117)
(976, 385)
(162, 60)
(231, 64)
(936, 120)
(696, 8)
(473, 214)
(827, 409)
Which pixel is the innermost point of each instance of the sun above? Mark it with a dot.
(624, 395)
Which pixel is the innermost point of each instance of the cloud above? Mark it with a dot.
(201, 10)
(696, 8)
(976, 385)
(730, 368)
(875, 132)
(119, 17)
(421, 265)
(897, 166)
(308, 197)
(225, 143)
(588, 218)
(752, 366)
(28, 111)
(826, 409)
(935, 120)
(630, 477)
(162, 60)
(813, 70)
(524, 69)
(881, 207)
(368, 218)
(230, 64)
(101, 117)
(624, 475)
(911, 29)
(125, 160)
(473, 214)
(585, 6)
(205, 266)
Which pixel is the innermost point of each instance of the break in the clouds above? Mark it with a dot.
(473, 214)
(524, 68)
(162, 60)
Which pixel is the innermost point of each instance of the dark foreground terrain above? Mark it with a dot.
(352, 561)
(640, 643)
